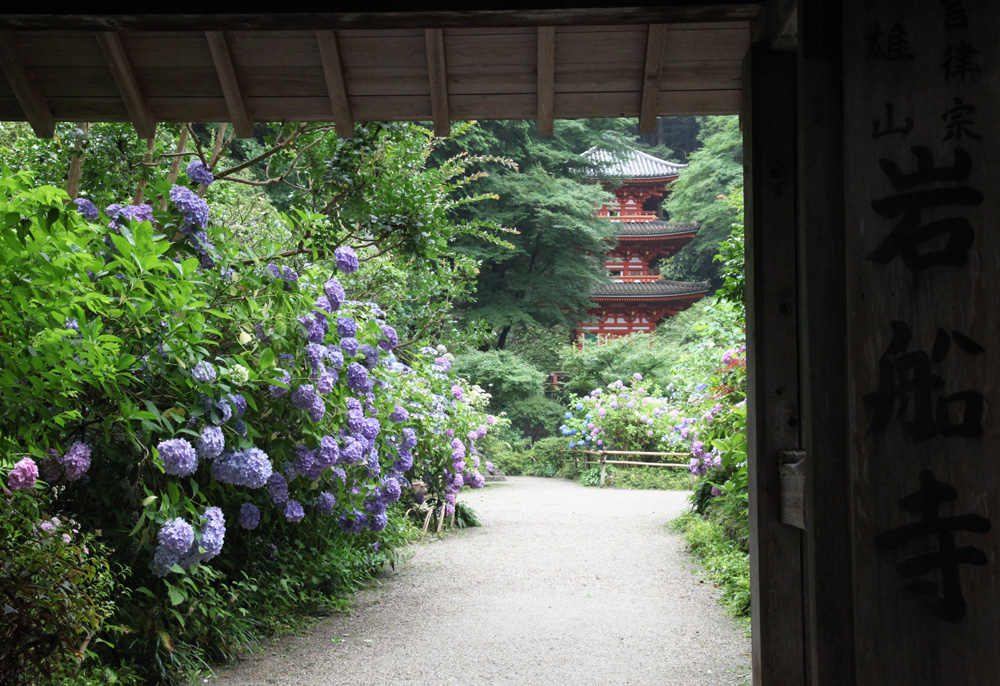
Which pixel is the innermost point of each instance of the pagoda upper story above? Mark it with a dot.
(639, 298)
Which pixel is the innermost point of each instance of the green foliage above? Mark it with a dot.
(56, 591)
(465, 516)
(641, 477)
(545, 457)
(724, 561)
(714, 168)
(555, 258)
(732, 254)
(535, 416)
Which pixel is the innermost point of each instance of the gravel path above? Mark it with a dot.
(562, 585)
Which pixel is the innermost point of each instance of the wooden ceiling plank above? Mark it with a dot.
(329, 51)
(546, 78)
(229, 79)
(655, 41)
(128, 87)
(438, 75)
(26, 91)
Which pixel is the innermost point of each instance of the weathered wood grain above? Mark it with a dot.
(655, 40)
(26, 92)
(231, 82)
(437, 69)
(120, 67)
(333, 74)
(546, 85)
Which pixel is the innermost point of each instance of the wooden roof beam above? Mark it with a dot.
(656, 39)
(232, 90)
(26, 90)
(438, 75)
(546, 78)
(121, 69)
(333, 72)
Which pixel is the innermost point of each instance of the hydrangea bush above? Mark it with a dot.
(199, 405)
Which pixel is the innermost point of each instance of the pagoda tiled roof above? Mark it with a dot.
(634, 165)
(655, 228)
(650, 289)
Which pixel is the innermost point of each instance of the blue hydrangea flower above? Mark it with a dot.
(353, 451)
(349, 346)
(179, 457)
(370, 428)
(203, 372)
(238, 402)
(357, 378)
(346, 327)
(277, 488)
(409, 438)
(399, 414)
(249, 516)
(327, 380)
(405, 461)
(211, 442)
(335, 356)
(250, 467)
(334, 293)
(328, 453)
(371, 356)
(325, 502)
(389, 340)
(392, 490)
(285, 378)
(318, 409)
(87, 209)
(192, 208)
(294, 511)
(353, 523)
(347, 259)
(304, 396)
(176, 536)
(200, 174)
(379, 521)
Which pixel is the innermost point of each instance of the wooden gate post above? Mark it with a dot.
(772, 373)
(604, 468)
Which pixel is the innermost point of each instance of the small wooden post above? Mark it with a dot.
(604, 468)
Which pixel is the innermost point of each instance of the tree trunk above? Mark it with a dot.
(502, 340)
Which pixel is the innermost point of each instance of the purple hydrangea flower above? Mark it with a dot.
(335, 356)
(327, 380)
(325, 502)
(405, 461)
(349, 345)
(238, 402)
(449, 509)
(357, 378)
(193, 208)
(409, 438)
(389, 340)
(76, 461)
(379, 521)
(176, 536)
(371, 356)
(203, 372)
(346, 327)
(285, 378)
(211, 442)
(392, 490)
(198, 172)
(399, 414)
(23, 475)
(249, 516)
(277, 488)
(294, 511)
(250, 467)
(442, 363)
(347, 259)
(213, 533)
(334, 293)
(87, 209)
(329, 452)
(178, 455)
(370, 428)
(716, 491)
(456, 392)
(353, 523)
(317, 410)
(476, 480)
(353, 450)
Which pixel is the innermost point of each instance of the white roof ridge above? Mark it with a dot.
(637, 164)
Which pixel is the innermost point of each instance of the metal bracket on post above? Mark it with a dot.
(792, 487)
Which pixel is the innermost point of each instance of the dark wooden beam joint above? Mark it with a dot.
(437, 70)
(128, 86)
(656, 39)
(333, 72)
(546, 79)
(229, 79)
(792, 487)
(29, 95)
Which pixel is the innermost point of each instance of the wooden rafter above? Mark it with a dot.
(333, 72)
(124, 76)
(29, 95)
(656, 40)
(546, 78)
(438, 76)
(236, 102)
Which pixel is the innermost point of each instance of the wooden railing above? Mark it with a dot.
(604, 461)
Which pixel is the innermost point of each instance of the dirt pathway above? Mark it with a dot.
(562, 585)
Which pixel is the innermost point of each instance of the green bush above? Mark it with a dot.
(546, 457)
(663, 478)
(724, 561)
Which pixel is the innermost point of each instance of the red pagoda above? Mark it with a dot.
(638, 298)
